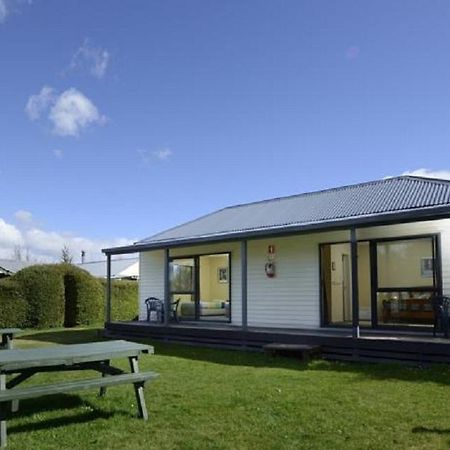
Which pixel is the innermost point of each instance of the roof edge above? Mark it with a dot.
(410, 215)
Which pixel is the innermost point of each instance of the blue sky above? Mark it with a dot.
(120, 119)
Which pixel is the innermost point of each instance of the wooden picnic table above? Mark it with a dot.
(24, 363)
(8, 335)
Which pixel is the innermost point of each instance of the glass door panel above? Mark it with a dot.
(214, 287)
(406, 281)
(182, 279)
(337, 280)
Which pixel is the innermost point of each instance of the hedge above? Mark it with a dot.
(13, 307)
(124, 300)
(53, 295)
(83, 297)
(42, 288)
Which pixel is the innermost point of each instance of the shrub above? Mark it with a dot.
(42, 288)
(124, 301)
(13, 308)
(83, 297)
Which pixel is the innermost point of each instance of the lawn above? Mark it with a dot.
(214, 399)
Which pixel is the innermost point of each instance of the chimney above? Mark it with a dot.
(83, 256)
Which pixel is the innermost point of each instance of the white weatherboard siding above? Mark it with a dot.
(151, 278)
(292, 298)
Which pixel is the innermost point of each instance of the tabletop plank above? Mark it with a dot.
(68, 355)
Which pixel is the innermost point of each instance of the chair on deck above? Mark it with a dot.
(441, 306)
(155, 310)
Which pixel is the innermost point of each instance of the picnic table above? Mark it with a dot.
(24, 363)
(8, 335)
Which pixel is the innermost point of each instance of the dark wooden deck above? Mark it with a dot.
(336, 344)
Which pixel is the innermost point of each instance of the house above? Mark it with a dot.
(122, 269)
(355, 259)
(9, 267)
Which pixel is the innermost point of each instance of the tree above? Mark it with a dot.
(66, 256)
(17, 253)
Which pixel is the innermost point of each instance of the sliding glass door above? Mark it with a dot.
(337, 280)
(396, 278)
(406, 279)
(202, 284)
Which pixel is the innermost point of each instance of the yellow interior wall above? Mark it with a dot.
(402, 268)
(364, 289)
(210, 288)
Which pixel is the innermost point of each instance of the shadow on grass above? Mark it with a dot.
(439, 374)
(55, 403)
(67, 336)
(431, 430)
(381, 371)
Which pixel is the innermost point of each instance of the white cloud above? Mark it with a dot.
(58, 153)
(43, 245)
(148, 156)
(8, 7)
(39, 103)
(72, 112)
(69, 112)
(93, 59)
(10, 236)
(163, 154)
(3, 11)
(23, 216)
(443, 174)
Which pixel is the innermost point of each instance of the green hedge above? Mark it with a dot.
(53, 295)
(13, 308)
(83, 297)
(124, 301)
(42, 288)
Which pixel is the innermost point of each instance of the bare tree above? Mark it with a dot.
(66, 256)
(17, 253)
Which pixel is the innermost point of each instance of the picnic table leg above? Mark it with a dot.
(104, 374)
(2, 413)
(138, 389)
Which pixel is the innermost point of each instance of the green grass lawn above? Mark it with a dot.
(214, 399)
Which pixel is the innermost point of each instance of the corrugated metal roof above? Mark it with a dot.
(398, 194)
(120, 268)
(9, 266)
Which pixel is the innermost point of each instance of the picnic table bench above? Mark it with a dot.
(24, 363)
(8, 335)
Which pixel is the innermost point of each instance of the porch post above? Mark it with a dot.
(166, 288)
(244, 290)
(355, 297)
(108, 289)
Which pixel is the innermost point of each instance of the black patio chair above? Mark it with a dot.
(156, 305)
(174, 309)
(441, 305)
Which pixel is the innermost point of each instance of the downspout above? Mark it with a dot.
(355, 293)
(108, 289)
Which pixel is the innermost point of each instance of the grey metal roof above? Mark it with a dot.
(118, 267)
(404, 195)
(10, 266)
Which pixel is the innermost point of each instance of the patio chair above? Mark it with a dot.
(155, 309)
(156, 306)
(441, 305)
(174, 310)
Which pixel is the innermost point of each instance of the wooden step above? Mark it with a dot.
(304, 351)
